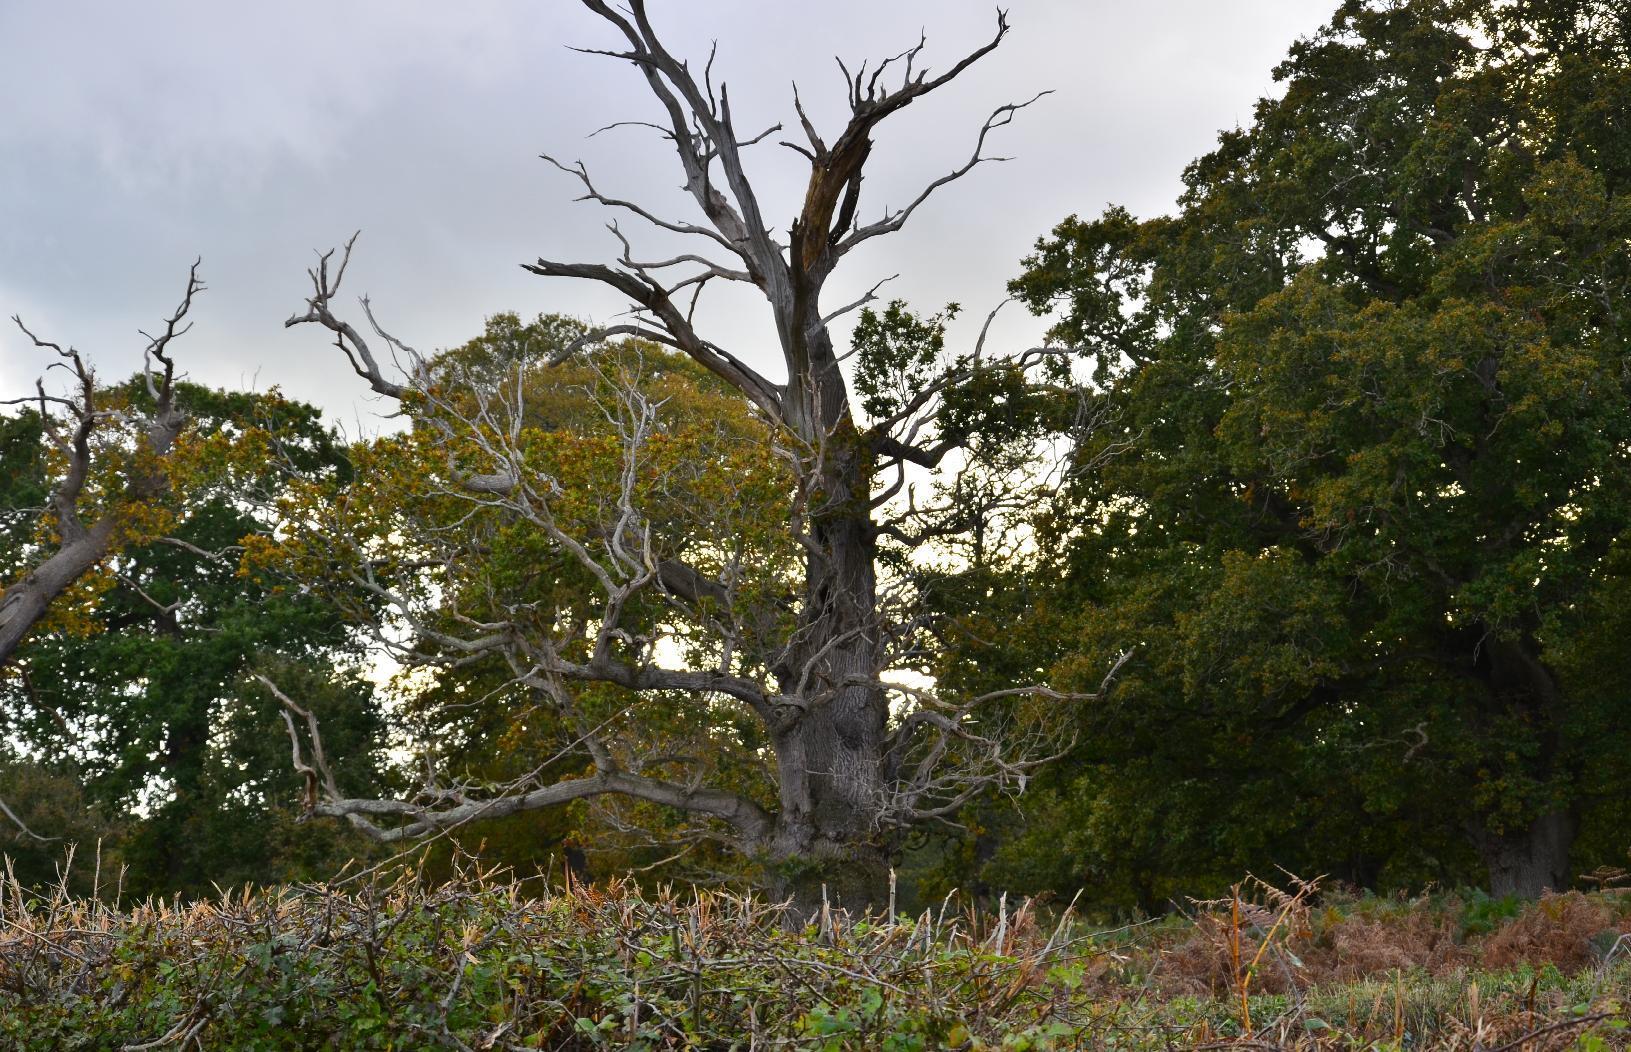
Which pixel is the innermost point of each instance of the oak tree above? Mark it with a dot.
(805, 654)
(1362, 505)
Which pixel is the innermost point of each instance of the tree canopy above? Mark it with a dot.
(137, 692)
(1360, 479)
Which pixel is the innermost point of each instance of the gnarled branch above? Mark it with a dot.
(70, 424)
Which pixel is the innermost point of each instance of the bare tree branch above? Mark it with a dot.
(1000, 117)
(452, 808)
(82, 546)
(18, 822)
(350, 342)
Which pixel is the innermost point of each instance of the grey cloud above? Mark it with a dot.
(145, 134)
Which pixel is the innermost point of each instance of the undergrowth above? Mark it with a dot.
(489, 963)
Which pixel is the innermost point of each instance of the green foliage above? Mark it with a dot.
(143, 698)
(1483, 914)
(897, 355)
(22, 486)
(474, 962)
(1356, 489)
(51, 802)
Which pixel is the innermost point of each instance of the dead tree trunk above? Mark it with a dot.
(830, 749)
(830, 758)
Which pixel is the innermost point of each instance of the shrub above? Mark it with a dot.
(483, 963)
(1560, 930)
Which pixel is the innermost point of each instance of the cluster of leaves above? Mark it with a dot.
(22, 486)
(898, 354)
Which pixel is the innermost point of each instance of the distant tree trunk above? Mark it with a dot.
(576, 862)
(1533, 859)
(1527, 862)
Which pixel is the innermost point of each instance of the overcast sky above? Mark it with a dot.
(139, 135)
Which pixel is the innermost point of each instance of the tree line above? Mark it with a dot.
(1299, 542)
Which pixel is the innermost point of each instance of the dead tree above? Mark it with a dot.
(857, 754)
(84, 537)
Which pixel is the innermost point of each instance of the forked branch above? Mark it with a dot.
(319, 309)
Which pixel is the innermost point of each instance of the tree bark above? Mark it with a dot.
(1534, 859)
(83, 547)
(830, 760)
(851, 875)
(1528, 862)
